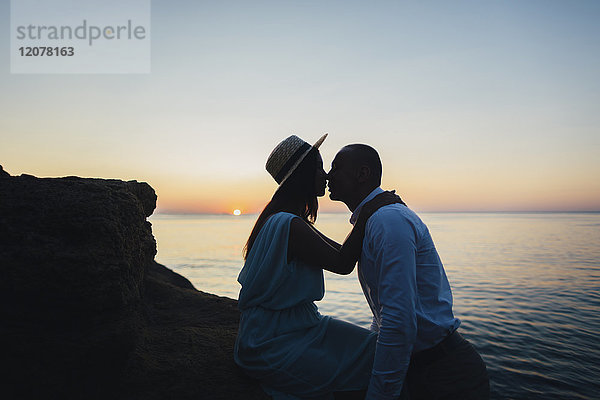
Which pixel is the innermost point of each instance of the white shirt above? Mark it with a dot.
(406, 287)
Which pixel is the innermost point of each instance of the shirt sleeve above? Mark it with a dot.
(394, 243)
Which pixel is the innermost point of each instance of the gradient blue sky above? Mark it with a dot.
(473, 105)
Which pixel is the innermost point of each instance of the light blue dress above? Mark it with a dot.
(283, 340)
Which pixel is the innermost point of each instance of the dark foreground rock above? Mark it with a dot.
(86, 312)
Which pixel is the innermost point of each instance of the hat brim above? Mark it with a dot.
(319, 142)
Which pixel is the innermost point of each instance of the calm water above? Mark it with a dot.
(526, 287)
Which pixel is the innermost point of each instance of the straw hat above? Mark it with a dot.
(287, 155)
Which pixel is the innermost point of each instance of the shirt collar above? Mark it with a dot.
(370, 196)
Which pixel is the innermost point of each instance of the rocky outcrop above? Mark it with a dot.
(85, 310)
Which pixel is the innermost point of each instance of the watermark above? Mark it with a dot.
(80, 36)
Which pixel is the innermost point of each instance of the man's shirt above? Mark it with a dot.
(403, 279)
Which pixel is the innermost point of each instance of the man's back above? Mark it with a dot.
(398, 249)
(404, 282)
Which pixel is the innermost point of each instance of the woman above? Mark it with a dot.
(283, 340)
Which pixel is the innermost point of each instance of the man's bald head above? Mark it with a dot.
(365, 155)
(355, 172)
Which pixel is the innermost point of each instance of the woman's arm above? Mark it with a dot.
(332, 242)
(311, 246)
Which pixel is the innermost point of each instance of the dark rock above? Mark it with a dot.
(186, 348)
(86, 311)
(3, 173)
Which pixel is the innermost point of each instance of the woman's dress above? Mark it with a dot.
(283, 340)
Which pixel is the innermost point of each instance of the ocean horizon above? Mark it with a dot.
(526, 286)
(184, 213)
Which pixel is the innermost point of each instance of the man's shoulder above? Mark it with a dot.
(395, 216)
(394, 211)
(389, 226)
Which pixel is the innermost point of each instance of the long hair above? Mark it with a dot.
(297, 194)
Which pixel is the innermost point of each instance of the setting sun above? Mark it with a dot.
(237, 212)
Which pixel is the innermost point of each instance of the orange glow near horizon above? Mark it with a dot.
(437, 197)
(434, 190)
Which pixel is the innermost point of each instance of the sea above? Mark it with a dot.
(526, 287)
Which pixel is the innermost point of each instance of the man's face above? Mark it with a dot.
(342, 177)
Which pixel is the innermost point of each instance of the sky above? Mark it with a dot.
(472, 105)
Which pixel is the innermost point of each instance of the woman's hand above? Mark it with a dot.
(382, 199)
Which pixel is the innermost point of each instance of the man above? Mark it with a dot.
(419, 352)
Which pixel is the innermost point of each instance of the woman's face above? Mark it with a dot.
(320, 178)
